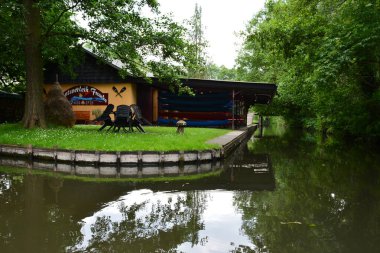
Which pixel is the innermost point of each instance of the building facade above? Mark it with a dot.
(96, 84)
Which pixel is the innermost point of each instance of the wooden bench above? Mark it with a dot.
(82, 116)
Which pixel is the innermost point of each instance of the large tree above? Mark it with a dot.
(131, 31)
(198, 66)
(325, 57)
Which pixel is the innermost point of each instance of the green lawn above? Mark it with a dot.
(88, 138)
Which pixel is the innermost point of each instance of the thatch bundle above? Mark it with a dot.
(58, 109)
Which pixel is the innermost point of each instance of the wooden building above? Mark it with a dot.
(12, 107)
(216, 103)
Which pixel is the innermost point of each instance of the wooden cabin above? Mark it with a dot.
(216, 103)
(12, 107)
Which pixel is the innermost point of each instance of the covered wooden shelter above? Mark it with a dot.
(216, 103)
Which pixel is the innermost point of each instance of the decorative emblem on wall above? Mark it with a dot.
(117, 92)
(86, 95)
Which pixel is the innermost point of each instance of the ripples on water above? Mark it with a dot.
(276, 194)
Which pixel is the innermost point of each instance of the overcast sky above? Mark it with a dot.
(221, 19)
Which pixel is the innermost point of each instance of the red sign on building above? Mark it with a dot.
(86, 95)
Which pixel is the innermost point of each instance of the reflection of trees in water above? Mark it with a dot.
(42, 214)
(327, 199)
(31, 222)
(149, 226)
(7, 192)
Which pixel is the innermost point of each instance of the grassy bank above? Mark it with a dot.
(88, 138)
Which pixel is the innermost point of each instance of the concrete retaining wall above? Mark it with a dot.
(84, 156)
(230, 146)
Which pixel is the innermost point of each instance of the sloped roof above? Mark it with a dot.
(94, 70)
(4, 94)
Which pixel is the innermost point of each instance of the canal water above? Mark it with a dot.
(279, 193)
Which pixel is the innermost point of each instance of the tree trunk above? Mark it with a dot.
(35, 215)
(34, 115)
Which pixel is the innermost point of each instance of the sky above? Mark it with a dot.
(221, 19)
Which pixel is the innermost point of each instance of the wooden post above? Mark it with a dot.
(181, 126)
(233, 109)
(261, 126)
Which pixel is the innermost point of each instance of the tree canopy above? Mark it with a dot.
(221, 72)
(325, 57)
(198, 67)
(131, 31)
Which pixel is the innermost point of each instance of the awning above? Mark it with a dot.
(250, 92)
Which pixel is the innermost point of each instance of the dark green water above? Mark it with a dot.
(278, 194)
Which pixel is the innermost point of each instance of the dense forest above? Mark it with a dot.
(324, 55)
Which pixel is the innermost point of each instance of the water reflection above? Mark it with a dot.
(113, 170)
(175, 216)
(326, 199)
(276, 194)
(145, 222)
(101, 218)
(241, 170)
(149, 221)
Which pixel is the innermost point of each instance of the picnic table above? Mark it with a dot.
(125, 117)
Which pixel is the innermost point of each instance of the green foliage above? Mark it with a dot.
(144, 44)
(11, 43)
(197, 66)
(325, 57)
(88, 138)
(132, 32)
(221, 72)
(58, 40)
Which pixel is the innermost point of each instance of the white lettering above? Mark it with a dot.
(85, 89)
